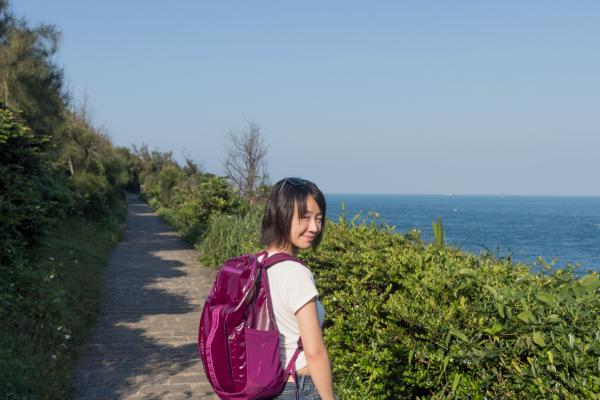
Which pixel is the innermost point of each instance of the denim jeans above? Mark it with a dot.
(306, 390)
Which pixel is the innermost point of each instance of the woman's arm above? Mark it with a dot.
(314, 349)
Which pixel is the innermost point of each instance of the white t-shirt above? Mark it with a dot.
(292, 285)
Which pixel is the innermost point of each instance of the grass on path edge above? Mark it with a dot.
(44, 335)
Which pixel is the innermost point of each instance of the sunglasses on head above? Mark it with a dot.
(292, 181)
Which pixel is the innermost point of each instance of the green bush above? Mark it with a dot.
(23, 173)
(409, 320)
(40, 299)
(61, 186)
(212, 195)
(168, 177)
(92, 194)
(56, 294)
(229, 236)
(192, 201)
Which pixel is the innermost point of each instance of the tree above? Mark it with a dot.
(191, 168)
(245, 163)
(30, 81)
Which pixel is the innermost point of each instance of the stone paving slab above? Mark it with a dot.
(143, 346)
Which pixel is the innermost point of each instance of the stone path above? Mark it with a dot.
(143, 345)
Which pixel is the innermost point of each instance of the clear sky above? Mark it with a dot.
(463, 97)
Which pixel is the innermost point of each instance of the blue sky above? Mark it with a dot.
(421, 97)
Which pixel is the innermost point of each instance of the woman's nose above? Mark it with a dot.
(314, 225)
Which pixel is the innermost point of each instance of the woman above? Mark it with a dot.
(293, 220)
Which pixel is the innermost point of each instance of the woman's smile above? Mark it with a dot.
(307, 227)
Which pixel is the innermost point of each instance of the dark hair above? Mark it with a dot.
(286, 195)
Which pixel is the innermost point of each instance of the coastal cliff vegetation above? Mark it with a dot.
(61, 204)
(409, 319)
(405, 318)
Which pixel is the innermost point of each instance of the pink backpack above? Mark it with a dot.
(237, 339)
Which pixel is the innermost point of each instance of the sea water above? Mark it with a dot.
(564, 229)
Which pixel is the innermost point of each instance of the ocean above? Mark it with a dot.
(563, 228)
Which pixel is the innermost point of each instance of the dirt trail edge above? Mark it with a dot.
(143, 345)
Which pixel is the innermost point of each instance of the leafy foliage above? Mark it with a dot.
(413, 320)
(22, 180)
(438, 233)
(29, 79)
(406, 319)
(229, 236)
(56, 171)
(54, 304)
(188, 201)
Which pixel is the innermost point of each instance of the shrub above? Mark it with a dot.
(192, 201)
(196, 201)
(167, 179)
(408, 320)
(42, 146)
(92, 193)
(56, 296)
(229, 236)
(23, 173)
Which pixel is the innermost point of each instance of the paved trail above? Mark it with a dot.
(143, 345)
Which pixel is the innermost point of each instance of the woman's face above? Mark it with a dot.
(307, 227)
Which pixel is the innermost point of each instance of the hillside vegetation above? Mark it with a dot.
(408, 319)
(61, 201)
(405, 319)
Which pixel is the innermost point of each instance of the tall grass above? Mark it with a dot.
(229, 236)
(43, 333)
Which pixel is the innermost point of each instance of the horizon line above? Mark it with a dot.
(463, 194)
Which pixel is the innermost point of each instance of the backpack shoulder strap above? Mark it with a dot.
(291, 367)
(279, 257)
(269, 262)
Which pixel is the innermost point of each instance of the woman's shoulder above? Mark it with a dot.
(290, 268)
(293, 282)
